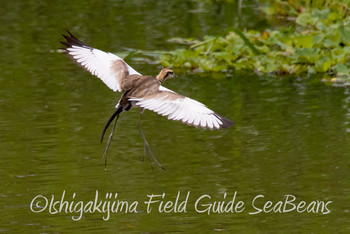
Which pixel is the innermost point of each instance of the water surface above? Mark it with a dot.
(291, 135)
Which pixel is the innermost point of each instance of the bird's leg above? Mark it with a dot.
(146, 145)
(142, 135)
(109, 141)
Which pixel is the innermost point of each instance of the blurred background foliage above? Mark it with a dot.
(303, 38)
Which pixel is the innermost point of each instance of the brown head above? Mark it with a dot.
(164, 74)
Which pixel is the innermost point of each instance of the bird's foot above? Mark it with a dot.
(147, 149)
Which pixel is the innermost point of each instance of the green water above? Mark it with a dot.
(291, 135)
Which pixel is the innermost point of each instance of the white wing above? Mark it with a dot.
(177, 107)
(97, 62)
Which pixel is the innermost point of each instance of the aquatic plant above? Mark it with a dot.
(317, 42)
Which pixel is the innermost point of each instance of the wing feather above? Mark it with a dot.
(166, 110)
(177, 107)
(110, 68)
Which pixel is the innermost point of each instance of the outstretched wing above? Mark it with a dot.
(177, 107)
(110, 68)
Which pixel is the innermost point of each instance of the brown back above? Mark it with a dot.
(140, 86)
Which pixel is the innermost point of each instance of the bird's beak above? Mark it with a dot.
(175, 76)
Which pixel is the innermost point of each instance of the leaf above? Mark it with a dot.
(304, 19)
(246, 41)
(344, 31)
(321, 14)
(323, 65)
(187, 54)
(303, 41)
(321, 26)
(306, 52)
(329, 43)
(342, 70)
(317, 40)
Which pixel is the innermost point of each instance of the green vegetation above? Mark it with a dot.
(317, 41)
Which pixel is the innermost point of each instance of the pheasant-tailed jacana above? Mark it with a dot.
(141, 91)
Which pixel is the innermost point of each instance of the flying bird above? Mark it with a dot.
(143, 91)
